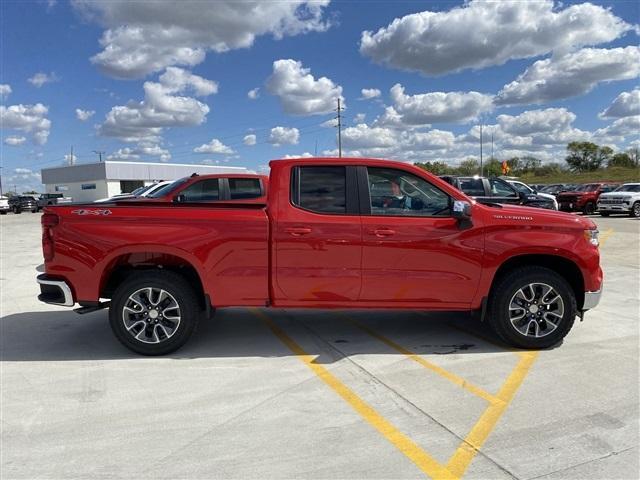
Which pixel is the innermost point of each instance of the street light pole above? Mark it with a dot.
(481, 165)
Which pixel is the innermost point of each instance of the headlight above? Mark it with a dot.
(592, 237)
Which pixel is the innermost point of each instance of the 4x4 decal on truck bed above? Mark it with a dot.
(83, 211)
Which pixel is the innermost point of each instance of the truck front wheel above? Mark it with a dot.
(154, 312)
(589, 208)
(635, 209)
(532, 307)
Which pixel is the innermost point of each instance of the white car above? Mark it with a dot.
(4, 205)
(138, 192)
(624, 199)
(526, 189)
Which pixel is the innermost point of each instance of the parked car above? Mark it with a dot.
(530, 190)
(624, 199)
(584, 198)
(52, 199)
(331, 233)
(138, 192)
(557, 188)
(20, 203)
(4, 205)
(497, 190)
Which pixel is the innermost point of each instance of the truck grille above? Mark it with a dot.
(612, 200)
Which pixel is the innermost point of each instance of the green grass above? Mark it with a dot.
(614, 174)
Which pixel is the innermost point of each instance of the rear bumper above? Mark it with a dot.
(54, 291)
(592, 299)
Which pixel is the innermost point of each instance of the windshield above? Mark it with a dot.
(631, 187)
(521, 187)
(141, 190)
(587, 188)
(171, 187)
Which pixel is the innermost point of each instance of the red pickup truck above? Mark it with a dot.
(584, 198)
(331, 233)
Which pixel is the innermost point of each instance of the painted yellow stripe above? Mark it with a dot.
(605, 236)
(452, 377)
(415, 453)
(460, 460)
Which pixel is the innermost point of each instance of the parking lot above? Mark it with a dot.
(318, 394)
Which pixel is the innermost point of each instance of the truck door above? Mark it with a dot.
(414, 251)
(318, 238)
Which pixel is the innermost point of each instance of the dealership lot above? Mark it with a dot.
(309, 394)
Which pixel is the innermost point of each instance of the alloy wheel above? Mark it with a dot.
(536, 310)
(151, 315)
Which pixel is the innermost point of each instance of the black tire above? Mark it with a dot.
(34, 211)
(589, 208)
(3, 213)
(604, 214)
(635, 209)
(17, 210)
(173, 283)
(505, 289)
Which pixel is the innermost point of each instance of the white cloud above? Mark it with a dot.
(162, 107)
(136, 153)
(84, 115)
(359, 118)
(438, 107)
(214, 146)
(536, 121)
(27, 119)
(5, 91)
(621, 128)
(284, 136)
(625, 105)
(299, 92)
(480, 34)
(249, 139)
(40, 78)
(25, 180)
(571, 75)
(14, 140)
(70, 159)
(368, 93)
(254, 93)
(302, 155)
(145, 37)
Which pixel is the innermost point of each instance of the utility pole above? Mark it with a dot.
(491, 144)
(71, 162)
(99, 153)
(315, 152)
(339, 117)
(1, 182)
(481, 166)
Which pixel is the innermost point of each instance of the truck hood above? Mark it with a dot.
(619, 194)
(519, 215)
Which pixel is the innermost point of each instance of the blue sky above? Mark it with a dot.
(441, 68)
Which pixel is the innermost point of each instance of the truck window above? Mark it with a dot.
(203, 191)
(398, 193)
(321, 189)
(240, 188)
(501, 188)
(472, 186)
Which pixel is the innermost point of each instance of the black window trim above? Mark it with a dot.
(365, 195)
(351, 189)
(227, 189)
(220, 192)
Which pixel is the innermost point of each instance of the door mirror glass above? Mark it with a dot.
(179, 198)
(461, 209)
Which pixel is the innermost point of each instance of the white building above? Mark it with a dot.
(90, 181)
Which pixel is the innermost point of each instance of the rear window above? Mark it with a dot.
(322, 189)
(242, 188)
(472, 186)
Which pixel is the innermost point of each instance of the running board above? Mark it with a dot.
(92, 308)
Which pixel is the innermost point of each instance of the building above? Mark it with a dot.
(91, 181)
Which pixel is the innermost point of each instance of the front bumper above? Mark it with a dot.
(591, 299)
(54, 292)
(615, 207)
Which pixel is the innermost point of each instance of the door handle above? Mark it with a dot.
(297, 231)
(383, 232)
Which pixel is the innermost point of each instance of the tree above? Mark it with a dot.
(437, 168)
(469, 167)
(621, 160)
(493, 168)
(586, 156)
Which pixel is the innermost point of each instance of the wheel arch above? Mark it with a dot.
(563, 266)
(124, 264)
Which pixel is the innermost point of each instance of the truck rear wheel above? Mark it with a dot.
(532, 307)
(589, 208)
(154, 312)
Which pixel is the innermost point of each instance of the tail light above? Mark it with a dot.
(48, 221)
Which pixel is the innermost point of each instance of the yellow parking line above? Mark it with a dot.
(414, 452)
(605, 236)
(452, 377)
(460, 460)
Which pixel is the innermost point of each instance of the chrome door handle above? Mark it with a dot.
(297, 231)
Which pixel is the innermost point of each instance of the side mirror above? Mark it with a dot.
(179, 198)
(461, 210)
